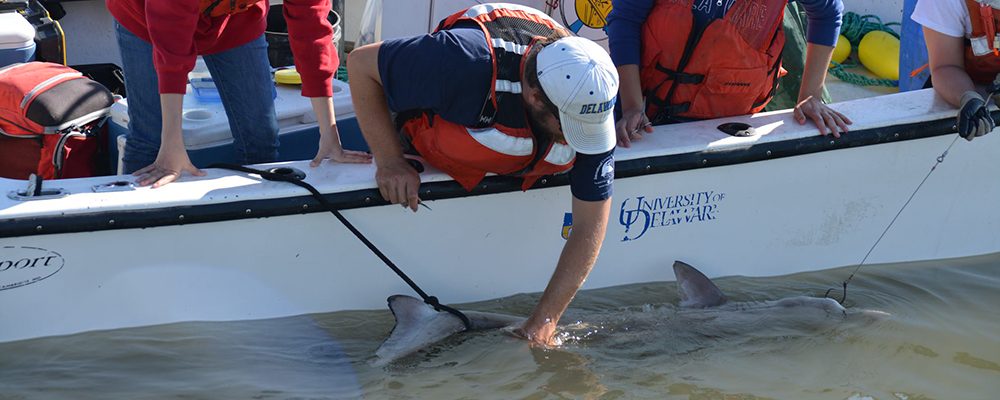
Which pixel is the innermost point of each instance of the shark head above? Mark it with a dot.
(418, 325)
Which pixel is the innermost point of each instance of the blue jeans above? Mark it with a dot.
(243, 78)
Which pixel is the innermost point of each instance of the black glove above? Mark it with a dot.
(974, 119)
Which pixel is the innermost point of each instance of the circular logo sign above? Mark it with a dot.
(22, 265)
(585, 18)
(593, 13)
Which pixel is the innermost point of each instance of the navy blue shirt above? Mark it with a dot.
(627, 16)
(450, 73)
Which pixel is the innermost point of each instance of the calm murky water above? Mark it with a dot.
(942, 341)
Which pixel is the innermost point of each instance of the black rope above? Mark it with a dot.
(272, 176)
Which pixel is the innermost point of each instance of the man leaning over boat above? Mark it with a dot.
(963, 49)
(469, 106)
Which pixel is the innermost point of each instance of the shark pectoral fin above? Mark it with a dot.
(418, 325)
(696, 290)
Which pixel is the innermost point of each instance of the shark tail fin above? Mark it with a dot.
(697, 291)
(416, 325)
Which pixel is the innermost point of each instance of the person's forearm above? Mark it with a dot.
(814, 73)
(326, 117)
(575, 263)
(630, 88)
(323, 108)
(171, 110)
(951, 81)
(946, 55)
(370, 105)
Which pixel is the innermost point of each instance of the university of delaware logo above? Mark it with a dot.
(567, 225)
(641, 214)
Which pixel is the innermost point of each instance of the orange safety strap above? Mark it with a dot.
(975, 17)
(986, 16)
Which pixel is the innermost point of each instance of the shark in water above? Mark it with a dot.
(705, 308)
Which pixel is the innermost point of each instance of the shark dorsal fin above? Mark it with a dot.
(697, 291)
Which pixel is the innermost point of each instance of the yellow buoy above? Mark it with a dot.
(842, 50)
(287, 77)
(879, 52)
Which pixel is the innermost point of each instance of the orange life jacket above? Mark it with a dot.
(731, 67)
(217, 8)
(982, 52)
(502, 142)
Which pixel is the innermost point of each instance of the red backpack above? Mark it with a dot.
(50, 116)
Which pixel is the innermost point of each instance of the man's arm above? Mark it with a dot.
(947, 62)
(172, 159)
(809, 105)
(825, 17)
(329, 136)
(952, 82)
(590, 221)
(397, 180)
(170, 27)
(624, 29)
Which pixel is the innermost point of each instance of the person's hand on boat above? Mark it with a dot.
(631, 127)
(171, 162)
(398, 182)
(974, 118)
(329, 136)
(330, 148)
(827, 120)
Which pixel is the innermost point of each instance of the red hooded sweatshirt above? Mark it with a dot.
(179, 33)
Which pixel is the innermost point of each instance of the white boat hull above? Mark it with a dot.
(770, 217)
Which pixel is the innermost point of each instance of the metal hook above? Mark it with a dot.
(842, 299)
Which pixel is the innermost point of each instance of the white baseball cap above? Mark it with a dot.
(578, 77)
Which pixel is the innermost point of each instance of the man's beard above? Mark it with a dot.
(538, 129)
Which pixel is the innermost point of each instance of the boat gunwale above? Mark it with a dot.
(441, 190)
